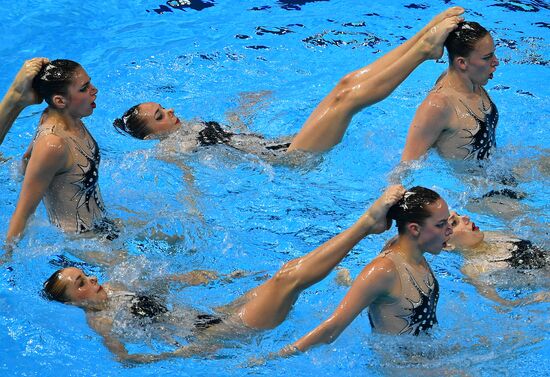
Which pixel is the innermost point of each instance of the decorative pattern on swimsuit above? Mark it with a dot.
(213, 134)
(205, 321)
(87, 183)
(525, 255)
(277, 147)
(146, 307)
(422, 316)
(481, 142)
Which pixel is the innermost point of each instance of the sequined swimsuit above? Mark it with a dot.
(213, 134)
(415, 310)
(73, 199)
(481, 140)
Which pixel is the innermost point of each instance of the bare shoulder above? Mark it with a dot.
(381, 269)
(438, 101)
(99, 322)
(50, 145)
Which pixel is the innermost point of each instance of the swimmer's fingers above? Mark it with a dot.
(393, 194)
(375, 219)
(22, 84)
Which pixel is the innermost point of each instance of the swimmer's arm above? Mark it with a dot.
(103, 327)
(249, 103)
(19, 95)
(490, 292)
(374, 281)
(50, 155)
(196, 277)
(431, 119)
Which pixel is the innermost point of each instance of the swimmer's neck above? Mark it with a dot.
(69, 122)
(482, 247)
(409, 249)
(459, 81)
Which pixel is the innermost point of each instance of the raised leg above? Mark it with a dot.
(268, 305)
(327, 124)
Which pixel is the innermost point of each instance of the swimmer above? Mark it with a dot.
(264, 307)
(489, 252)
(458, 118)
(63, 166)
(398, 286)
(20, 94)
(327, 124)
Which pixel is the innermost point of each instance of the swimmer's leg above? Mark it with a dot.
(327, 124)
(268, 305)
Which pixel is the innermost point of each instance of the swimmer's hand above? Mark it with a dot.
(374, 221)
(21, 88)
(286, 351)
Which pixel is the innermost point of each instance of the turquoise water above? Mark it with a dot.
(225, 210)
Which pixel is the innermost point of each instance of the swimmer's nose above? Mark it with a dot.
(495, 61)
(93, 279)
(466, 219)
(94, 90)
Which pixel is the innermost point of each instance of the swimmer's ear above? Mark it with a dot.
(414, 229)
(461, 62)
(59, 101)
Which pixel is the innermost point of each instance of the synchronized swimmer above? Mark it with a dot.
(398, 288)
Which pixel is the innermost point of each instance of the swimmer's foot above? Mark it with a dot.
(431, 44)
(450, 12)
(374, 220)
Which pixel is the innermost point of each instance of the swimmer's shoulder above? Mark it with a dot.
(436, 112)
(51, 151)
(382, 268)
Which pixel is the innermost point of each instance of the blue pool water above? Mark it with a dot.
(223, 210)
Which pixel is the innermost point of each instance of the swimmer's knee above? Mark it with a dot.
(346, 81)
(342, 96)
(286, 274)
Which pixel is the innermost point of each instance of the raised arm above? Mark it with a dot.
(50, 156)
(19, 95)
(431, 119)
(376, 280)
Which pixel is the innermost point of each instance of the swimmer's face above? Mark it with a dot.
(159, 121)
(433, 234)
(81, 290)
(482, 61)
(465, 232)
(81, 95)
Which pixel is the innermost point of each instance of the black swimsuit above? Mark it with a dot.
(149, 307)
(481, 143)
(525, 255)
(213, 134)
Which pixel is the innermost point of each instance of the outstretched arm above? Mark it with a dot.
(374, 281)
(430, 120)
(103, 327)
(19, 95)
(489, 291)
